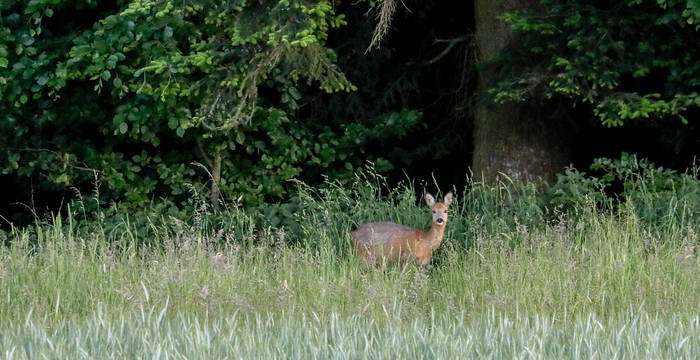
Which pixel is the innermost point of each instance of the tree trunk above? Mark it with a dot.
(519, 141)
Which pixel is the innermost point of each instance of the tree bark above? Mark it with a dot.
(520, 141)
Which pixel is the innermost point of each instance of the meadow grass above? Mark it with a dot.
(297, 336)
(511, 280)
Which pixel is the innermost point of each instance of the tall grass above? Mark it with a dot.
(298, 336)
(513, 278)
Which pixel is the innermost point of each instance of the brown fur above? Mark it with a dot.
(392, 242)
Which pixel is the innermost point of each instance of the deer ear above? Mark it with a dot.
(448, 198)
(429, 199)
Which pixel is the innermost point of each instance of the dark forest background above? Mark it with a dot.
(145, 103)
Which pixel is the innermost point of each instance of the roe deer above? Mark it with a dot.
(392, 241)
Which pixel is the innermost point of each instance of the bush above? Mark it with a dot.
(655, 193)
(152, 99)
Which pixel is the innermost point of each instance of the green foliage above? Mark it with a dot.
(133, 93)
(656, 192)
(632, 60)
(574, 189)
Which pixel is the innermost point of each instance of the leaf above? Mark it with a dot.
(27, 40)
(294, 93)
(63, 179)
(240, 137)
(123, 127)
(173, 123)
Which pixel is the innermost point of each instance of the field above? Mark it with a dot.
(513, 279)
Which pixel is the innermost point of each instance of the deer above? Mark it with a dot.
(392, 242)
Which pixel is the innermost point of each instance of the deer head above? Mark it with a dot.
(439, 209)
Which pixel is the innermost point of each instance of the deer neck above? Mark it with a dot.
(434, 235)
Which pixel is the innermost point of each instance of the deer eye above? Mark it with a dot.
(434, 211)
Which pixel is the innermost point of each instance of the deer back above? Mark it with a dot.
(385, 239)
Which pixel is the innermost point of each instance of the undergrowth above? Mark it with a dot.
(529, 261)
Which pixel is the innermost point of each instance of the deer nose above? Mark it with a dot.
(439, 221)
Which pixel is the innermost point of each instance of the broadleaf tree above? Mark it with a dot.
(544, 65)
(626, 61)
(130, 94)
